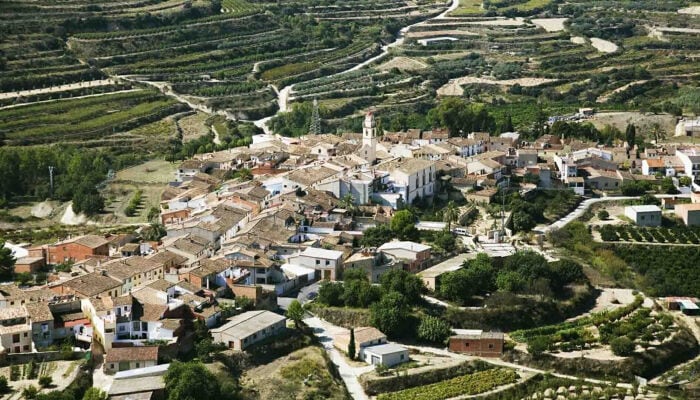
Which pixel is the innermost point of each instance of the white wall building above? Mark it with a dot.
(691, 162)
(327, 263)
(648, 215)
(389, 354)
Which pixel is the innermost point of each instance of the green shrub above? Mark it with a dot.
(433, 329)
(30, 392)
(45, 381)
(14, 372)
(622, 346)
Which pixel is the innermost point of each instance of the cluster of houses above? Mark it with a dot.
(296, 221)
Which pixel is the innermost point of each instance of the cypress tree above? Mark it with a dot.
(351, 345)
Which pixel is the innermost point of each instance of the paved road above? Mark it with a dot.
(306, 291)
(325, 331)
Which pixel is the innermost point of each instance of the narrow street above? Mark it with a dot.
(324, 332)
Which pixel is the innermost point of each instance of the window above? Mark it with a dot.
(401, 357)
(25, 347)
(26, 334)
(318, 262)
(15, 338)
(490, 346)
(328, 262)
(138, 365)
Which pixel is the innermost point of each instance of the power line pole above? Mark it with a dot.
(51, 180)
(503, 207)
(315, 120)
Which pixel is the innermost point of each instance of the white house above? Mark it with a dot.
(388, 354)
(405, 181)
(648, 215)
(691, 162)
(15, 330)
(688, 128)
(327, 263)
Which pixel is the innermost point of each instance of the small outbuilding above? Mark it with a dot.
(476, 342)
(686, 305)
(388, 355)
(126, 358)
(647, 215)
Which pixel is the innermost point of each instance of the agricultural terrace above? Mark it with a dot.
(623, 329)
(471, 384)
(634, 234)
(492, 53)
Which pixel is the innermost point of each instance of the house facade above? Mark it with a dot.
(327, 263)
(648, 215)
(477, 343)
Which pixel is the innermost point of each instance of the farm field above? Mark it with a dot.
(642, 326)
(148, 180)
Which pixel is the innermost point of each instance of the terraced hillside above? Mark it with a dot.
(518, 56)
(103, 74)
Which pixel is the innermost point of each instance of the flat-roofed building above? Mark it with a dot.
(646, 215)
(388, 355)
(414, 255)
(249, 328)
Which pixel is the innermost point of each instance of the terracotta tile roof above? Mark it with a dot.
(13, 312)
(655, 162)
(39, 312)
(126, 300)
(168, 258)
(91, 241)
(92, 284)
(161, 285)
(366, 334)
(137, 353)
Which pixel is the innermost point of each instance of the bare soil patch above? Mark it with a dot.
(604, 46)
(193, 126)
(403, 64)
(695, 10)
(643, 122)
(454, 87)
(550, 24)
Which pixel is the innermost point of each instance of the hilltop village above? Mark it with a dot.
(335, 220)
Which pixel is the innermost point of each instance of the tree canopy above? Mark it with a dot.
(190, 381)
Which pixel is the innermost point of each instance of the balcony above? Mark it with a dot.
(83, 337)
